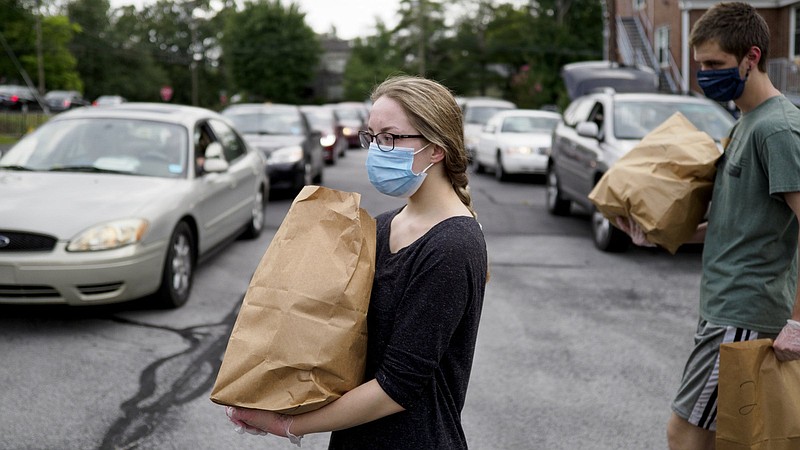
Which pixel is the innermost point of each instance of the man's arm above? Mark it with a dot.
(787, 345)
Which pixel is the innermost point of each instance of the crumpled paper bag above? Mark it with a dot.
(664, 183)
(300, 338)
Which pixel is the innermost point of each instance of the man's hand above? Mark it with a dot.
(633, 230)
(787, 345)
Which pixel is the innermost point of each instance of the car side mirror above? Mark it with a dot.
(213, 151)
(588, 129)
(215, 165)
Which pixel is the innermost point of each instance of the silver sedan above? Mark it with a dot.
(104, 205)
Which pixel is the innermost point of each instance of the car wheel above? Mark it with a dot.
(499, 173)
(477, 165)
(556, 203)
(256, 224)
(176, 278)
(607, 237)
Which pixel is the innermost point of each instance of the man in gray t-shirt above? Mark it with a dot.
(749, 282)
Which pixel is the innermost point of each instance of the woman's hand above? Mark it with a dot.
(259, 422)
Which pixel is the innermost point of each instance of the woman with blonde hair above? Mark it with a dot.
(430, 277)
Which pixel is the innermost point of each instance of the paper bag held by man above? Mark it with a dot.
(664, 183)
(759, 398)
(299, 341)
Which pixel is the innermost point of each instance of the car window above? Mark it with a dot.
(232, 144)
(279, 122)
(634, 119)
(481, 114)
(529, 124)
(578, 111)
(126, 146)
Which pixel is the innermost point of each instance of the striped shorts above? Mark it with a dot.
(696, 400)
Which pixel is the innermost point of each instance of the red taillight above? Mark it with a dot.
(66, 103)
(15, 98)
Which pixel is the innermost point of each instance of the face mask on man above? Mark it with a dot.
(722, 85)
(390, 172)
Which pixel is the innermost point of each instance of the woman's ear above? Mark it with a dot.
(437, 155)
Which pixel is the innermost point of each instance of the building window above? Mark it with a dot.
(796, 34)
(662, 45)
(638, 5)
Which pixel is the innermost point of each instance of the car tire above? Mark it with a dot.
(178, 272)
(476, 165)
(500, 173)
(257, 216)
(557, 205)
(607, 237)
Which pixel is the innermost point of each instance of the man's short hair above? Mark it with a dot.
(736, 27)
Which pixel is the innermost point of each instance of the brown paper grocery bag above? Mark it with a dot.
(664, 183)
(300, 339)
(759, 398)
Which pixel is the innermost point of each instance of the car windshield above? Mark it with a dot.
(634, 119)
(268, 122)
(125, 146)
(320, 120)
(524, 124)
(481, 114)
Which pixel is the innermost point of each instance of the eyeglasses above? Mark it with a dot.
(384, 140)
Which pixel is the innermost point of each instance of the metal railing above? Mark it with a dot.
(17, 124)
(785, 75)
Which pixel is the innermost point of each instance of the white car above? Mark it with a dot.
(477, 111)
(516, 141)
(105, 205)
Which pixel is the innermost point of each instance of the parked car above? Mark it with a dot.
(293, 150)
(353, 117)
(59, 101)
(106, 100)
(477, 111)
(324, 120)
(515, 141)
(18, 98)
(104, 205)
(597, 129)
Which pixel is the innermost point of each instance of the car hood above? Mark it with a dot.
(64, 204)
(270, 142)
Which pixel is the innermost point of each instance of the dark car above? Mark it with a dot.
(324, 120)
(17, 98)
(352, 118)
(59, 101)
(293, 150)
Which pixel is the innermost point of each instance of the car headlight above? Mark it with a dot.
(286, 155)
(347, 131)
(327, 140)
(108, 236)
(521, 150)
(471, 141)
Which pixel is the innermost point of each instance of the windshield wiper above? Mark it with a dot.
(20, 168)
(92, 169)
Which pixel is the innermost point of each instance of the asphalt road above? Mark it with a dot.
(578, 349)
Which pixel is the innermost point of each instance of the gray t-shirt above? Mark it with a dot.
(750, 253)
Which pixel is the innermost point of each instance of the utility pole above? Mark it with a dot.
(422, 37)
(39, 57)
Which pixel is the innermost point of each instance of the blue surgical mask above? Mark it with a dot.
(722, 85)
(390, 172)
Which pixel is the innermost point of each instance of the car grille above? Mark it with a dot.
(94, 289)
(27, 291)
(14, 241)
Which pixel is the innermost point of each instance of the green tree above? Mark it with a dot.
(373, 59)
(271, 52)
(17, 27)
